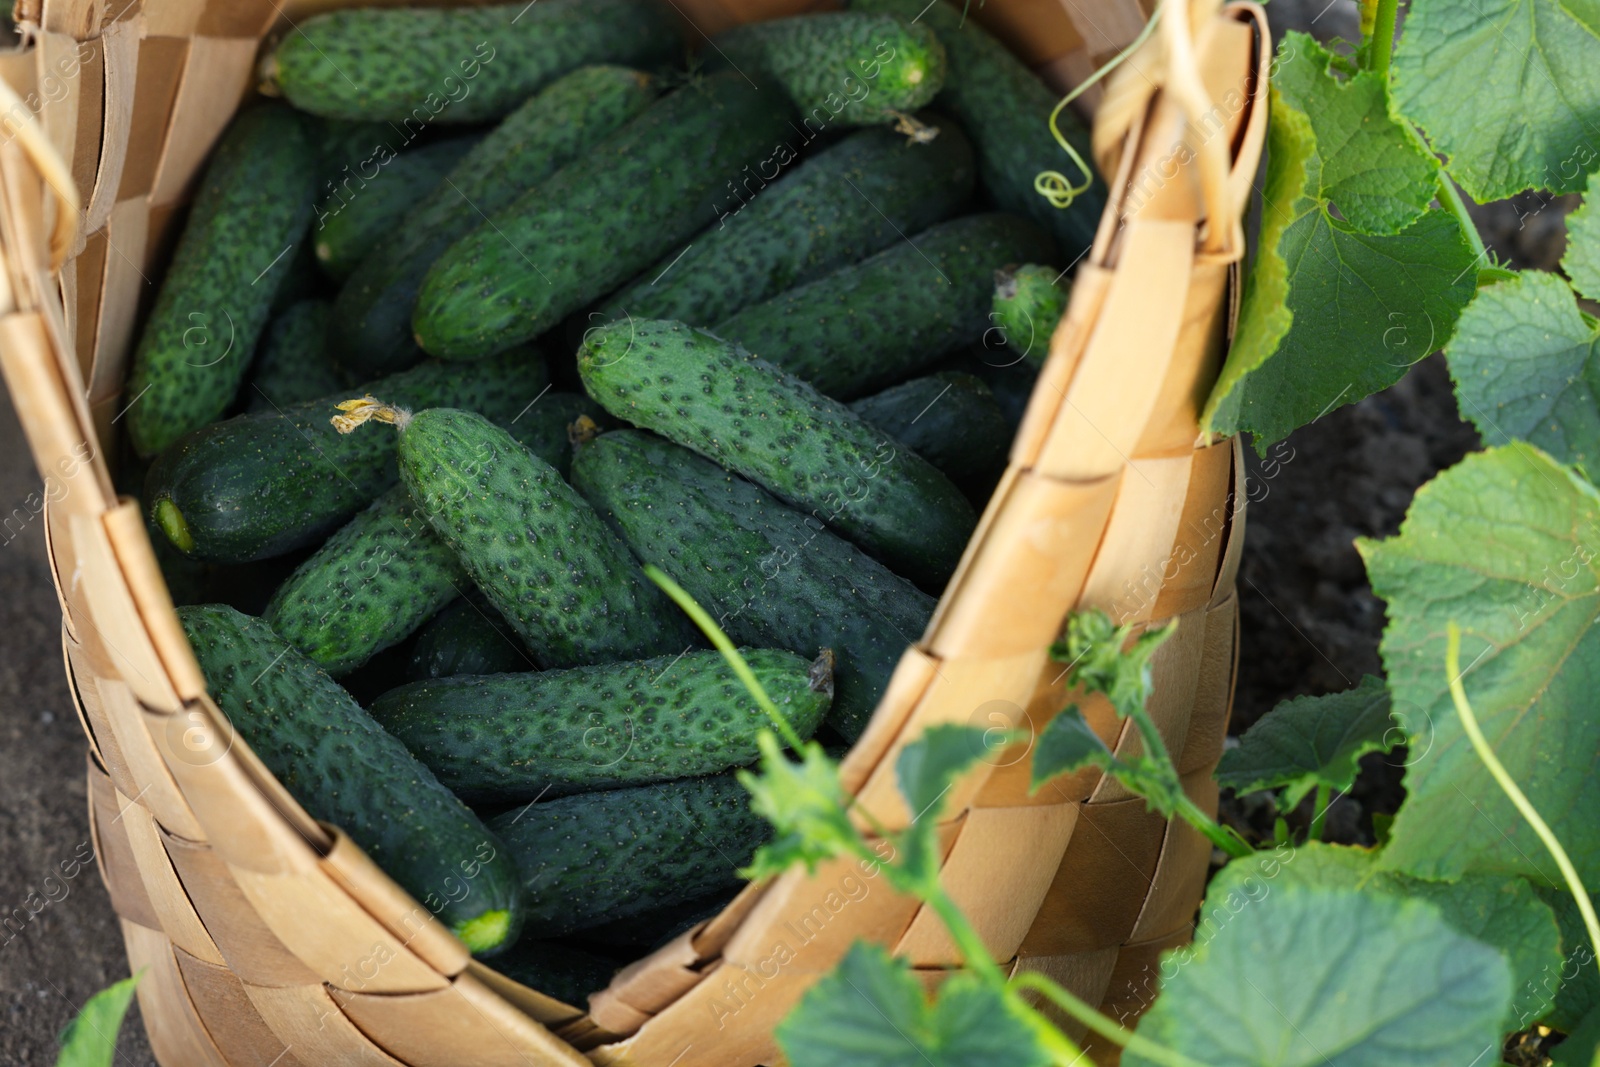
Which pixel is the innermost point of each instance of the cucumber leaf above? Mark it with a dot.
(1526, 364)
(929, 765)
(90, 1039)
(806, 804)
(1577, 984)
(1581, 260)
(1507, 90)
(871, 1012)
(1501, 911)
(1311, 741)
(1066, 744)
(1505, 545)
(1312, 976)
(1582, 1046)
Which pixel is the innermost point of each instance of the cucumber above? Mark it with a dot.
(372, 315)
(453, 65)
(600, 220)
(1028, 302)
(562, 971)
(262, 484)
(649, 930)
(353, 217)
(533, 546)
(346, 770)
(768, 574)
(253, 205)
(951, 420)
(839, 206)
(344, 147)
(293, 364)
(774, 429)
(1006, 109)
(597, 857)
(848, 68)
(889, 317)
(467, 637)
(545, 427)
(508, 738)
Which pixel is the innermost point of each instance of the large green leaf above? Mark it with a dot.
(1526, 363)
(1581, 260)
(871, 1012)
(1502, 911)
(1507, 90)
(90, 1040)
(1582, 1046)
(929, 765)
(1504, 544)
(1311, 741)
(1309, 977)
(1577, 983)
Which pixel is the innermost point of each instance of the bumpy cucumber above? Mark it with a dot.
(848, 68)
(562, 971)
(595, 857)
(379, 577)
(254, 204)
(1028, 302)
(372, 315)
(891, 316)
(293, 364)
(951, 420)
(534, 547)
(649, 930)
(345, 769)
(600, 220)
(839, 206)
(506, 738)
(1009, 376)
(262, 484)
(773, 428)
(1006, 109)
(768, 574)
(468, 637)
(456, 64)
(357, 213)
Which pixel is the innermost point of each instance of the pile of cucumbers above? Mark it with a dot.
(486, 308)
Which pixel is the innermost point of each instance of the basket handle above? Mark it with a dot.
(51, 167)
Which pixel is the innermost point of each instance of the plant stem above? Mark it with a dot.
(1100, 1024)
(1319, 811)
(1382, 50)
(1229, 842)
(1451, 199)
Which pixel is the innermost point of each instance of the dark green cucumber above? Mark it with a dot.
(534, 547)
(848, 68)
(600, 220)
(951, 420)
(467, 637)
(1009, 376)
(507, 738)
(343, 148)
(254, 204)
(379, 577)
(891, 316)
(262, 484)
(337, 761)
(768, 574)
(545, 427)
(452, 65)
(355, 215)
(649, 930)
(758, 421)
(1028, 302)
(597, 857)
(293, 364)
(562, 971)
(839, 206)
(1006, 109)
(372, 315)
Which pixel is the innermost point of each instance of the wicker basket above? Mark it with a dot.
(269, 938)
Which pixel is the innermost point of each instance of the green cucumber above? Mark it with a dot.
(372, 315)
(343, 147)
(1009, 376)
(1007, 109)
(768, 574)
(1028, 302)
(846, 67)
(841, 205)
(562, 971)
(649, 930)
(379, 577)
(467, 637)
(546, 426)
(769, 426)
(508, 738)
(254, 204)
(337, 761)
(453, 65)
(889, 317)
(597, 857)
(951, 420)
(351, 221)
(262, 484)
(534, 547)
(600, 220)
(293, 364)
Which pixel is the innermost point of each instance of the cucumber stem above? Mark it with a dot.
(1382, 50)
(1319, 811)
(170, 518)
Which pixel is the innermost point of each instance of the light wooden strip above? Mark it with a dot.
(1181, 872)
(124, 282)
(119, 46)
(1134, 983)
(69, 78)
(1084, 974)
(156, 789)
(232, 1022)
(59, 440)
(177, 1036)
(86, 689)
(114, 617)
(376, 893)
(1190, 564)
(119, 868)
(307, 1020)
(81, 278)
(1136, 556)
(216, 74)
(1089, 288)
(130, 542)
(1233, 549)
(912, 676)
(540, 1007)
(1208, 722)
(648, 985)
(160, 69)
(172, 906)
(1010, 783)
